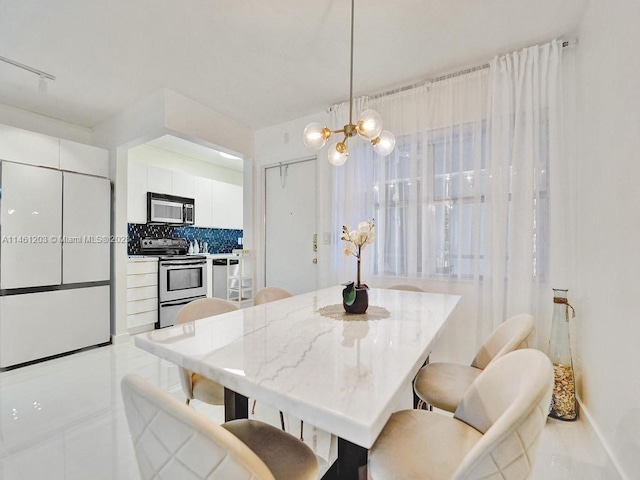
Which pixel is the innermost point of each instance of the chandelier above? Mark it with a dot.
(369, 127)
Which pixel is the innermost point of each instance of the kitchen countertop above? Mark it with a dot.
(151, 258)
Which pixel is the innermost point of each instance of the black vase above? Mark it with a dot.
(361, 303)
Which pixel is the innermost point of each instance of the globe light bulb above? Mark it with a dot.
(315, 135)
(338, 154)
(384, 144)
(369, 125)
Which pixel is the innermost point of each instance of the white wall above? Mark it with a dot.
(164, 112)
(606, 282)
(283, 143)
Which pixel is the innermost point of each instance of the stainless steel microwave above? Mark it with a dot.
(171, 209)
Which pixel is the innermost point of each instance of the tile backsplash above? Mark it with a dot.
(219, 240)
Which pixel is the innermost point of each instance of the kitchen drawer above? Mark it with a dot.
(140, 319)
(142, 293)
(140, 306)
(143, 280)
(137, 267)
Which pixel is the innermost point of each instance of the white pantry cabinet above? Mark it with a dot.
(23, 146)
(86, 228)
(31, 222)
(42, 324)
(77, 157)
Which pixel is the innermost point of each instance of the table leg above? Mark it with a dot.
(235, 405)
(351, 463)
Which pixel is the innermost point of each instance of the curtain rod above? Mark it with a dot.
(565, 43)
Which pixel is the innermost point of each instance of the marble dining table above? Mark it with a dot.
(345, 374)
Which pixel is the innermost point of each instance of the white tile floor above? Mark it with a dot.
(64, 420)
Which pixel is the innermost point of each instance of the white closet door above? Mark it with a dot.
(86, 228)
(31, 222)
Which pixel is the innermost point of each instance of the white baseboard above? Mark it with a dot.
(121, 338)
(612, 457)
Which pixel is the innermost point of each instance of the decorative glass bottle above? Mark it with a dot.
(563, 401)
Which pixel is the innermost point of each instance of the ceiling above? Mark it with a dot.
(260, 62)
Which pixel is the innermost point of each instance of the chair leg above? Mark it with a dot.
(301, 430)
(253, 407)
(187, 401)
(282, 421)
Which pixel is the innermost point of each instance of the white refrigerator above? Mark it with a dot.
(54, 262)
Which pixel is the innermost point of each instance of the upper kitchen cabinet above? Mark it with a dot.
(202, 195)
(137, 193)
(31, 217)
(182, 184)
(22, 146)
(86, 228)
(226, 205)
(77, 157)
(159, 180)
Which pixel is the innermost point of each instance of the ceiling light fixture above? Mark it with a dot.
(369, 127)
(228, 155)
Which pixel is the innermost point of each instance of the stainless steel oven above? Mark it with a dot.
(181, 279)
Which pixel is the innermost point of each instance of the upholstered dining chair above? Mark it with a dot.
(409, 288)
(270, 294)
(493, 434)
(193, 384)
(173, 441)
(443, 384)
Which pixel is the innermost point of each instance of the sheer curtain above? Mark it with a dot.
(462, 204)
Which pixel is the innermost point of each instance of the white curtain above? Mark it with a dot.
(462, 204)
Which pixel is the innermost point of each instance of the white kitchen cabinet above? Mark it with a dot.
(159, 180)
(86, 227)
(182, 184)
(235, 207)
(81, 158)
(23, 146)
(202, 195)
(142, 293)
(226, 205)
(137, 192)
(31, 220)
(39, 325)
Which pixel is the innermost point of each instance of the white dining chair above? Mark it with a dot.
(172, 441)
(493, 434)
(443, 384)
(195, 385)
(270, 294)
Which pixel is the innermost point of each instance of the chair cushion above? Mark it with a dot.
(443, 385)
(207, 390)
(416, 444)
(276, 449)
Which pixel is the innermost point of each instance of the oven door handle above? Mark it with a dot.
(178, 303)
(187, 263)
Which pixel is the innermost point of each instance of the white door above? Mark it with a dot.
(86, 228)
(31, 221)
(290, 226)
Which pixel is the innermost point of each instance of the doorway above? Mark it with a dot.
(291, 226)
